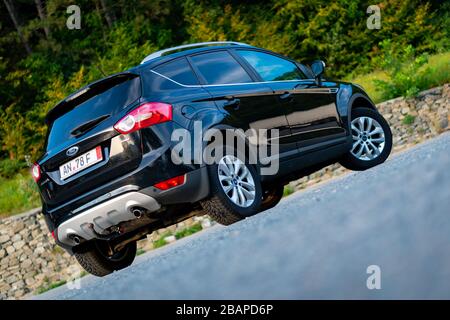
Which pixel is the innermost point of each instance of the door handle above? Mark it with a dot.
(301, 86)
(287, 96)
(233, 103)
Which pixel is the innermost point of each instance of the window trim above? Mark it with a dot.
(312, 90)
(244, 63)
(256, 80)
(203, 80)
(188, 63)
(295, 63)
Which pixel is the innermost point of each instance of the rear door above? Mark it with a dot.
(83, 151)
(310, 109)
(248, 104)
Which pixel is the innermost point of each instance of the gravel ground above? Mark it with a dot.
(316, 244)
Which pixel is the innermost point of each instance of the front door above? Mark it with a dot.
(311, 113)
(310, 109)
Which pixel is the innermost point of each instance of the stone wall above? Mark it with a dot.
(412, 121)
(30, 260)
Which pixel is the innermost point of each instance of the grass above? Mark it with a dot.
(188, 231)
(288, 189)
(18, 195)
(58, 250)
(408, 120)
(47, 287)
(160, 242)
(439, 73)
(367, 82)
(139, 252)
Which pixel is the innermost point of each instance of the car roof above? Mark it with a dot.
(160, 57)
(185, 47)
(211, 46)
(153, 60)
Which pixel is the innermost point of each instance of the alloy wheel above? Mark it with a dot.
(236, 181)
(368, 138)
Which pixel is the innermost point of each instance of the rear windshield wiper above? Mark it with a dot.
(88, 125)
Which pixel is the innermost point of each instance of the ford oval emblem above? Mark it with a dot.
(72, 151)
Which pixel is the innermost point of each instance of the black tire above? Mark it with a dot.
(271, 196)
(350, 161)
(97, 262)
(220, 207)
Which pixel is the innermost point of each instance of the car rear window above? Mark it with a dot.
(220, 68)
(109, 101)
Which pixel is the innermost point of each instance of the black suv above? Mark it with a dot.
(107, 178)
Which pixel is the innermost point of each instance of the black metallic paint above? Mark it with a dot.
(313, 123)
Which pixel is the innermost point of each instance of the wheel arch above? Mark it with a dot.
(222, 127)
(359, 100)
(216, 120)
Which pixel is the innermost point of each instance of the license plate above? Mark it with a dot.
(80, 163)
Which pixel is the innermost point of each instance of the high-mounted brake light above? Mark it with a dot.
(171, 183)
(143, 116)
(36, 172)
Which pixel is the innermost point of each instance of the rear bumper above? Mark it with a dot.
(92, 220)
(96, 220)
(155, 167)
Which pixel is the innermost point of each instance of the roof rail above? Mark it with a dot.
(160, 53)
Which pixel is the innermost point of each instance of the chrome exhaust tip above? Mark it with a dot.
(137, 211)
(76, 239)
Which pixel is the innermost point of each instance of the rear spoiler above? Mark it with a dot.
(86, 93)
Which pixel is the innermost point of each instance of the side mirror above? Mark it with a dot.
(318, 68)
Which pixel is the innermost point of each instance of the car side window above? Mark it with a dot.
(220, 68)
(178, 70)
(271, 67)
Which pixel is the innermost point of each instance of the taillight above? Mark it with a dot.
(143, 116)
(171, 183)
(36, 172)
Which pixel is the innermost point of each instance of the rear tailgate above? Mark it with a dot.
(83, 151)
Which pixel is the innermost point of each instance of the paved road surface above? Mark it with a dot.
(314, 244)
